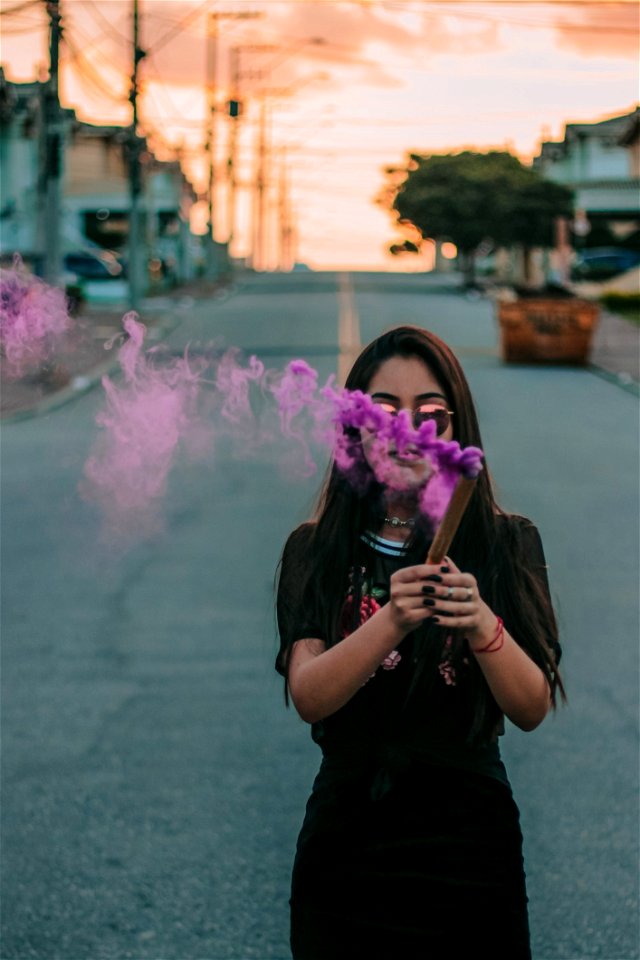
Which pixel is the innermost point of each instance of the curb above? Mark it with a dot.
(624, 381)
(93, 377)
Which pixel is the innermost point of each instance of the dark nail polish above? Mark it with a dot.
(429, 603)
(435, 578)
(444, 569)
(435, 620)
(428, 589)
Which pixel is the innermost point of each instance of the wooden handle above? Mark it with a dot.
(451, 521)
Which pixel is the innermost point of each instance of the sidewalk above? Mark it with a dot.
(616, 348)
(84, 355)
(616, 342)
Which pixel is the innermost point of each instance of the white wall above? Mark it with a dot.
(19, 162)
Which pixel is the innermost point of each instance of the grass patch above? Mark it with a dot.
(625, 304)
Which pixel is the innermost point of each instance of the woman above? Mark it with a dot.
(411, 844)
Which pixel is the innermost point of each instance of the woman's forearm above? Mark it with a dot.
(518, 685)
(325, 682)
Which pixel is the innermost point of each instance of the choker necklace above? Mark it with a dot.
(397, 522)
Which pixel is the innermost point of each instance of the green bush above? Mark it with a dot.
(627, 304)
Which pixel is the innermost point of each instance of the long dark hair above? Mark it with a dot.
(493, 546)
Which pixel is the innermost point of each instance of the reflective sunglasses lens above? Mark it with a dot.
(430, 411)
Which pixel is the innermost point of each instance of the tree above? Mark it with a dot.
(531, 213)
(471, 197)
(407, 246)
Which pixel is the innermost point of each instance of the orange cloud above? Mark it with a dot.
(600, 29)
(174, 34)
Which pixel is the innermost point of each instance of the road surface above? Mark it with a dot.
(154, 784)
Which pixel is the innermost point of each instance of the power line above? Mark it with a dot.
(99, 80)
(87, 71)
(99, 83)
(85, 67)
(88, 41)
(158, 78)
(18, 7)
(15, 31)
(148, 118)
(106, 25)
(179, 27)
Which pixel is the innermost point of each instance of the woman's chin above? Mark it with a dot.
(414, 477)
(404, 474)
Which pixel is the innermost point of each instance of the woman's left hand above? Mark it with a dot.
(458, 604)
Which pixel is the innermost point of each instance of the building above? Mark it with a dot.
(601, 162)
(95, 189)
(20, 166)
(96, 198)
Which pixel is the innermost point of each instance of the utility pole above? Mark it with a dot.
(52, 158)
(135, 260)
(234, 112)
(212, 99)
(256, 255)
(284, 232)
(260, 260)
(258, 251)
(212, 63)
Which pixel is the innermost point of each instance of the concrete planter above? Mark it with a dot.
(547, 331)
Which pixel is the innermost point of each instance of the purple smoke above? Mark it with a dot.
(156, 411)
(32, 315)
(393, 447)
(233, 383)
(296, 393)
(145, 419)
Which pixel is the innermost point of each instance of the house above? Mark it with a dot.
(21, 162)
(96, 199)
(601, 162)
(95, 188)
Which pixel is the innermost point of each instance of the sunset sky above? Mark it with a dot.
(354, 86)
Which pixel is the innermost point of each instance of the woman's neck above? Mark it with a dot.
(398, 520)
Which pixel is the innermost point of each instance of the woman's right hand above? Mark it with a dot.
(409, 601)
(322, 679)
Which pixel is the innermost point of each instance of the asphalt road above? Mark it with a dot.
(154, 784)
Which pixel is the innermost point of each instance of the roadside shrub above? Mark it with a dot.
(627, 304)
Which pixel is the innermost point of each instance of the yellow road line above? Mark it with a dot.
(348, 327)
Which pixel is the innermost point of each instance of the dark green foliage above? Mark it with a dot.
(407, 247)
(471, 197)
(627, 304)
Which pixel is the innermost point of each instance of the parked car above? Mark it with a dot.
(601, 263)
(88, 265)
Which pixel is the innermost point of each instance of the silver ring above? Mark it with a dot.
(449, 593)
(469, 594)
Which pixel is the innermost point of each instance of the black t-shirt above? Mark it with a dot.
(389, 714)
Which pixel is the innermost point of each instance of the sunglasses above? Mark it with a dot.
(426, 411)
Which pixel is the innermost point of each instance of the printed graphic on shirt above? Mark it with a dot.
(372, 598)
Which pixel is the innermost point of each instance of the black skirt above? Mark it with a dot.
(426, 863)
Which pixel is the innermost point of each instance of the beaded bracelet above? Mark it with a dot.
(497, 642)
